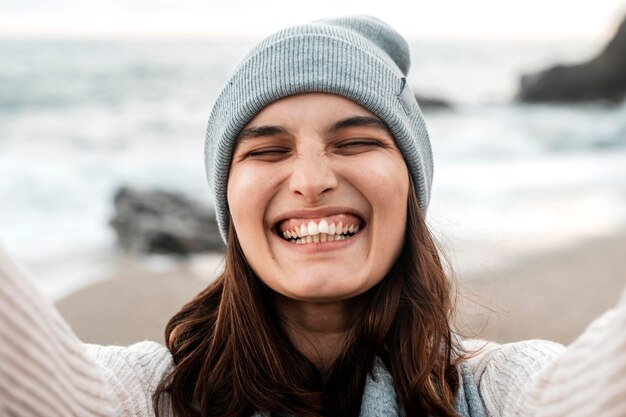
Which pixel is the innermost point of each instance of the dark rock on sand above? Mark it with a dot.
(164, 222)
(602, 78)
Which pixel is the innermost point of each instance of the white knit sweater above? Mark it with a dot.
(46, 371)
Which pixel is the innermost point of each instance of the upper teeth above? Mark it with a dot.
(322, 228)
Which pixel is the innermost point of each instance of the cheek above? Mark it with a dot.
(386, 180)
(249, 194)
(245, 196)
(248, 187)
(237, 188)
(387, 185)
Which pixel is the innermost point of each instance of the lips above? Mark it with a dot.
(319, 229)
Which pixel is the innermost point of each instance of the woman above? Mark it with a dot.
(333, 300)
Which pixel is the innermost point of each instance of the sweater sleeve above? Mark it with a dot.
(544, 379)
(46, 371)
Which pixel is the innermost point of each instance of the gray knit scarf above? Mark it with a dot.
(380, 400)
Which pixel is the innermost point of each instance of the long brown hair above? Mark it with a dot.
(233, 357)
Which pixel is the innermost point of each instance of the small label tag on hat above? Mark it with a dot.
(406, 96)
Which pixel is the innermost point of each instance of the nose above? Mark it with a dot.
(312, 177)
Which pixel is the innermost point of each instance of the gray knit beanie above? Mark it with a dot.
(357, 57)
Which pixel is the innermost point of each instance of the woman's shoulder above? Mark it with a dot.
(493, 361)
(148, 360)
(134, 374)
(504, 372)
(145, 350)
(520, 379)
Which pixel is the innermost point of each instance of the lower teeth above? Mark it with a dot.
(303, 240)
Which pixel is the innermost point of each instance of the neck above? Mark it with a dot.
(319, 330)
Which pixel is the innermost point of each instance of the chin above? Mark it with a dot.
(328, 289)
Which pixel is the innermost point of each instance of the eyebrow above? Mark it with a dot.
(359, 121)
(272, 130)
(262, 131)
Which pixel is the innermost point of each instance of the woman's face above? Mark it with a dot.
(317, 193)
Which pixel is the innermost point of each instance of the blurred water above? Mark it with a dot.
(78, 119)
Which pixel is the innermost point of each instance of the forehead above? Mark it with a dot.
(326, 114)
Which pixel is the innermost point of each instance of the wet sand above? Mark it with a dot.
(550, 296)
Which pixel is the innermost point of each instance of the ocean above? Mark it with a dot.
(78, 119)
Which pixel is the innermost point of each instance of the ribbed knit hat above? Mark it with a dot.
(357, 57)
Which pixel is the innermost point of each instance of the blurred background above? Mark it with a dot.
(529, 194)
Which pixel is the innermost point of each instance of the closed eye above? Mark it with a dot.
(265, 153)
(359, 142)
(359, 145)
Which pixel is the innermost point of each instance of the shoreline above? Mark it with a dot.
(550, 295)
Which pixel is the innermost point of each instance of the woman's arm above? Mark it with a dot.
(46, 371)
(544, 379)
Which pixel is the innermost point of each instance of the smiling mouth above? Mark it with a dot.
(325, 229)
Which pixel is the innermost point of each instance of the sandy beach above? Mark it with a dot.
(550, 296)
